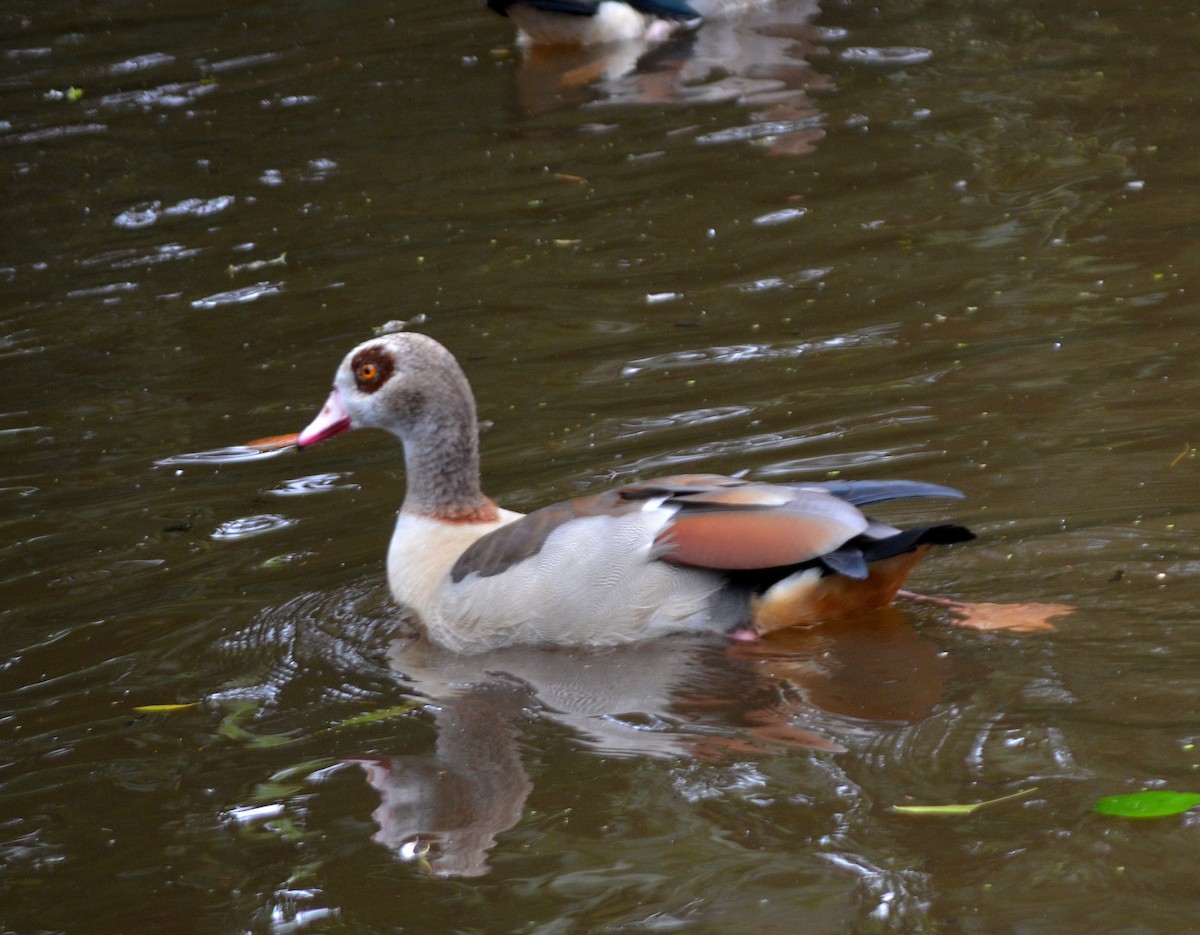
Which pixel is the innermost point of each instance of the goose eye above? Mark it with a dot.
(371, 368)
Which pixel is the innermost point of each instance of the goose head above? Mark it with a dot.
(411, 386)
(405, 383)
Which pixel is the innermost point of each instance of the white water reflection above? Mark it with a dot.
(239, 296)
(743, 353)
(234, 454)
(890, 56)
(313, 483)
(247, 526)
(151, 212)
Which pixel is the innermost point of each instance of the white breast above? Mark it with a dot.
(421, 553)
(595, 581)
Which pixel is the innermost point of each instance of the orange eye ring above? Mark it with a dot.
(368, 372)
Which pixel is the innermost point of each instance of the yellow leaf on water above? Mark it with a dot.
(959, 809)
(163, 708)
(381, 714)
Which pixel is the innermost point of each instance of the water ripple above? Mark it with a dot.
(739, 779)
(328, 640)
(38, 52)
(782, 216)
(240, 61)
(235, 454)
(728, 354)
(108, 291)
(140, 63)
(248, 526)
(151, 212)
(891, 55)
(757, 131)
(55, 133)
(894, 898)
(239, 296)
(177, 94)
(772, 283)
(740, 353)
(635, 427)
(313, 483)
(134, 258)
(781, 441)
(317, 170)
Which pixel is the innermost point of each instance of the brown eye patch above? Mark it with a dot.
(371, 367)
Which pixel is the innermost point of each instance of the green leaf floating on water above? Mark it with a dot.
(959, 809)
(1149, 803)
(379, 714)
(231, 727)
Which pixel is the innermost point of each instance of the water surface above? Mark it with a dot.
(946, 241)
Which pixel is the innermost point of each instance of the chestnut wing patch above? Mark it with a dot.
(755, 526)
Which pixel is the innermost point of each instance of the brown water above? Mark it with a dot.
(949, 241)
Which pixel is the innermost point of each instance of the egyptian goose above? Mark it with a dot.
(697, 552)
(593, 22)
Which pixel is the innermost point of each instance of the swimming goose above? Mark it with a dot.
(592, 22)
(698, 552)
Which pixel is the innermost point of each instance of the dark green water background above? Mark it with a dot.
(951, 241)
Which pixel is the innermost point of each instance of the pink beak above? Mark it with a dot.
(330, 421)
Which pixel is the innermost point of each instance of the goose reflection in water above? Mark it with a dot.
(676, 699)
(753, 53)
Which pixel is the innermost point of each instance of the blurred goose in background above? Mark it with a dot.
(750, 52)
(594, 22)
(685, 553)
